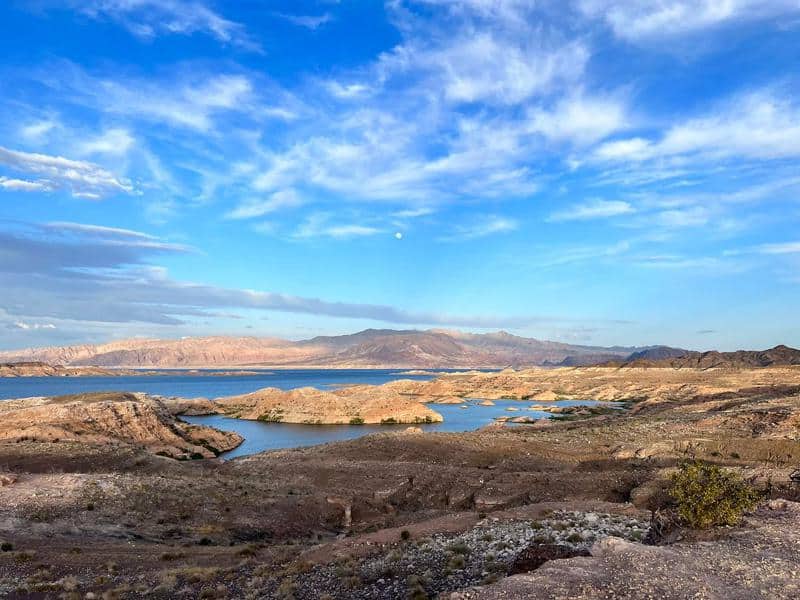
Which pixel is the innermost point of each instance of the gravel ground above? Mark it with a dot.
(491, 550)
(759, 560)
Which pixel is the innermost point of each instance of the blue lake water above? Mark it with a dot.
(261, 436)
(195, 386)
(270, 436)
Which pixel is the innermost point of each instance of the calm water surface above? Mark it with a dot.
(261, 436)
(195, 386)
(270, 436)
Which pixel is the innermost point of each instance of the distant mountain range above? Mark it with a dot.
(663, 356)
(387, 348)
(373, 348)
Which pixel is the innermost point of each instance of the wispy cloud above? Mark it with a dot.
(594, 209)
(320, 225)
(254, 207)
(188, 98)
(24, 185)
(413, 213)
(102, 274)
(116, 141)
(312, 22)
(758, 125)
(82, 179)
(779, 248)
(489, 225)
(150, 18)
(32, 326)
(638, 20)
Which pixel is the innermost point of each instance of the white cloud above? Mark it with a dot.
(709, 264)
(489, 225)
(628, 149)
(319, 225)
(187, 98)
(259, 207)
(38, 130)
(486, 67)
(695, 216)
(24, 185)
(81, 178)
(111, 236)
(413, 213)
(580, 118)
(32, 326)
(346, 91)
(594, 209)
(312, 22)
(758, 125)
(637, 20)
(115, 142)
(779, 248)
(101, 231)
(150, 18)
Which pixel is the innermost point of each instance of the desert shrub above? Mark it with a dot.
(459, 547)
(198, 574)
(405, 535)
(357, 421)
(273, 416)
(6, 547)
(456, 562)
(416, 588)
(389, 421)
(708, 495)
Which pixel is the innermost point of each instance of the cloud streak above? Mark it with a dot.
(147, 19)
(595, 209)
(92, 273)
(640, 20)
(81, 178)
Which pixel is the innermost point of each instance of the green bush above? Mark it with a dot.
(273, 416)
(708, 495)
(357, 421)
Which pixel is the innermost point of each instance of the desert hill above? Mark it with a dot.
(374, 348)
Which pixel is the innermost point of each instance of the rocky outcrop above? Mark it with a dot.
(643, 386)
(190, 406)
(354, 405)
(106, 417)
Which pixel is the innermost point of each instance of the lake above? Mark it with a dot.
(261, 436)
(196, 386)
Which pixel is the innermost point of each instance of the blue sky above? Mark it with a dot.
(589, 171)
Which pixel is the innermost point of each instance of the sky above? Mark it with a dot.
(590, 171)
